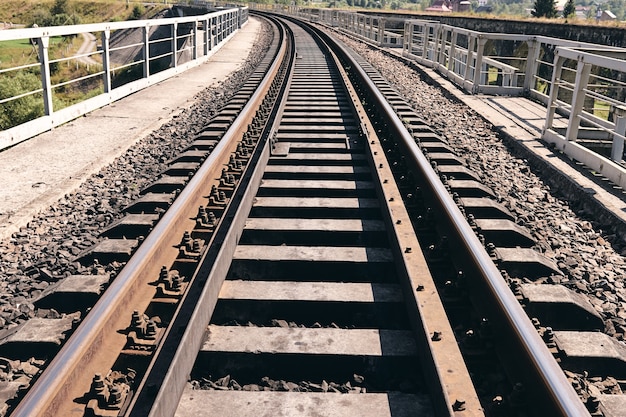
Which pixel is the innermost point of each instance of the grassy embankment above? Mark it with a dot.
(20, 13)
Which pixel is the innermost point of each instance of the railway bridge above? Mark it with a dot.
(428, 216)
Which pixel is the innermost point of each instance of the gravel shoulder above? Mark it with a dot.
(37, 172)
(579, 240)
(61, 194)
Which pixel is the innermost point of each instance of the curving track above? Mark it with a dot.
(288, 272)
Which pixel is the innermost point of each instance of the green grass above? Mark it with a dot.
(90, 11)
(601, 109)
(492, 76)
(21, 52)
(17, 52)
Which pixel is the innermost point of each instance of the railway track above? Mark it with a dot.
(291, 262)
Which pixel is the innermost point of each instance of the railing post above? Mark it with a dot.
(173, 32)
(106, 60)
(195, 40)
(451, 56)
(442, 36)
(471, 44)
(207, 31)
(426, 41)
(478, 64)
(146, 51)
(381, 31)
(532, 64)
(578, 100)
(211, 33)
(46, 82)
(408, 37)
(554, 91)
(617, 149)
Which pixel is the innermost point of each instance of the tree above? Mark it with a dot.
(544, 8)
(569, 9)
(24, 109)
(137, 12)
(60, 7)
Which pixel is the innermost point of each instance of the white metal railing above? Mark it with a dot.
(383, 31)
(130, 56)
(589, 87)
(581, 82)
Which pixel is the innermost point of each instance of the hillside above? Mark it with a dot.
(27, 12)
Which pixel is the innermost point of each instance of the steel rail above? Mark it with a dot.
(74, 363)
(449, 378)
(172, 369)
(565, 400)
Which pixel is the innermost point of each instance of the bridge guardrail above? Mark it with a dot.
(130, 56)
(589, 86)
(584, 83)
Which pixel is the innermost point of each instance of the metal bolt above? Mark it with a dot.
(420, 287)
(116, 397)
(151, 330)
(163, 275)
(98, 390)
(136, 320)
(201, 212)
(436, 336)
(548, 334)
(177, 281)
(398, 221)
(186, 238)
(97, 384)
(408, 250)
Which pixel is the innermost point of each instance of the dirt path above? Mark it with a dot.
(88, 45)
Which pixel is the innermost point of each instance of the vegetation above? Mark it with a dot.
(499, 8)
(23, 109)
(544, 8)
(29, 12)
(23, 52)
(569, 9)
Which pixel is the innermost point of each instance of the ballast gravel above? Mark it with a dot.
(43, 252)
(588, 253)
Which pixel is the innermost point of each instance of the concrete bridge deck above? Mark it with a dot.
(38, 172)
